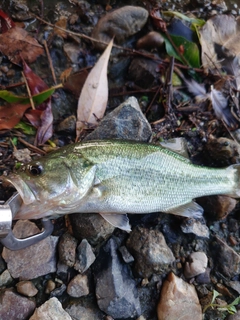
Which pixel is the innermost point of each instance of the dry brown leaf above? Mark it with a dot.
(94, 96)
(62, 22)
(17, 41)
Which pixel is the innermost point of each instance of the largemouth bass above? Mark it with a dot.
(117, 177)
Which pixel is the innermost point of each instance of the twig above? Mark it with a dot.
(29, 92)
(31, 147)
(153, 99)
(50, 61)
(14, 85)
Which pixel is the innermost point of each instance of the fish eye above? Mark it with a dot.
(35, 169)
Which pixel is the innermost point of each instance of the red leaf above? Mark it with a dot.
(10, 115)
(42, 117)
(45, 131)
(35, 83)
(33, 117)
(6, 22)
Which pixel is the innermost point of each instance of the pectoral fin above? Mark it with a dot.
(189, 210)
(117, 220)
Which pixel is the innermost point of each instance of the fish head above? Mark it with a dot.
(52, 185)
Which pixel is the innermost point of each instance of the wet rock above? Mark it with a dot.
(150, 41)
(195, 226)
(116, 290)
(90, 226)
(85, 309)
(217, 207)
(15, 307)
(5, 278)
(51, 309)
(78, 286)
(143, 72)
(58, 292)
(51, 285)
(120, 24)
(125, 122)
(178, 300)
(68, 124)
(85, 256)
(150, 251)
(126, 255)
(72, 51)
(27, 288)
(67, 249)
(34, 261)
(227, 260)
(196, 264)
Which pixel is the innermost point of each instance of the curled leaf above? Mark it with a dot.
(94, 96)
(11, 115)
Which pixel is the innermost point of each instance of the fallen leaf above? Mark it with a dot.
(45, 121)
(94, 96)
(62, 23)
(11, 115)
(16, 41)
(6, 22)
(75, 81)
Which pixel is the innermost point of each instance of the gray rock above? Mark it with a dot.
(57, 292)
(90, 226)
(34, 261)
(5, 278)
(85, 256)
(126, 255)
(85, 309)
(195, 226)
(235, 316)
(62, 271)
(15, 307)
(227, 260)
(125, 122)
(67, 249)
(115, 288)
(2, 264)
(27, 288)
(51, 309)
(78, 286)
(150, 251)
(196, 264)
(178, 300)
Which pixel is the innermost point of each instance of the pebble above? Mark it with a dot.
(15, 307)
(78, 286)
(67, 125)
(178, 300)
(62, 271)
(85, 256)
(51, 309)
(116, 290)
(34, 261)
(195, 226)
(5, 278)
(120, 24)
(235, 316)
(126, 255)
(85, 309)
(27, 288)
(67, 249)
(150, 41)
(226, 260)
(125, 122)
(51, 285)
(150, 251)
(90, 226)
(195, 265)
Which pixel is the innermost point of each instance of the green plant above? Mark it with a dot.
(230, 308)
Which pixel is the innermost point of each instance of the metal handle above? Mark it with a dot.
(7, 212)
(13, 243)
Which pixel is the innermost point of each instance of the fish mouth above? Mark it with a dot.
(22, 188)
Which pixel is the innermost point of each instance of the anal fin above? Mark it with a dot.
(119, 220)
(189, 210)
